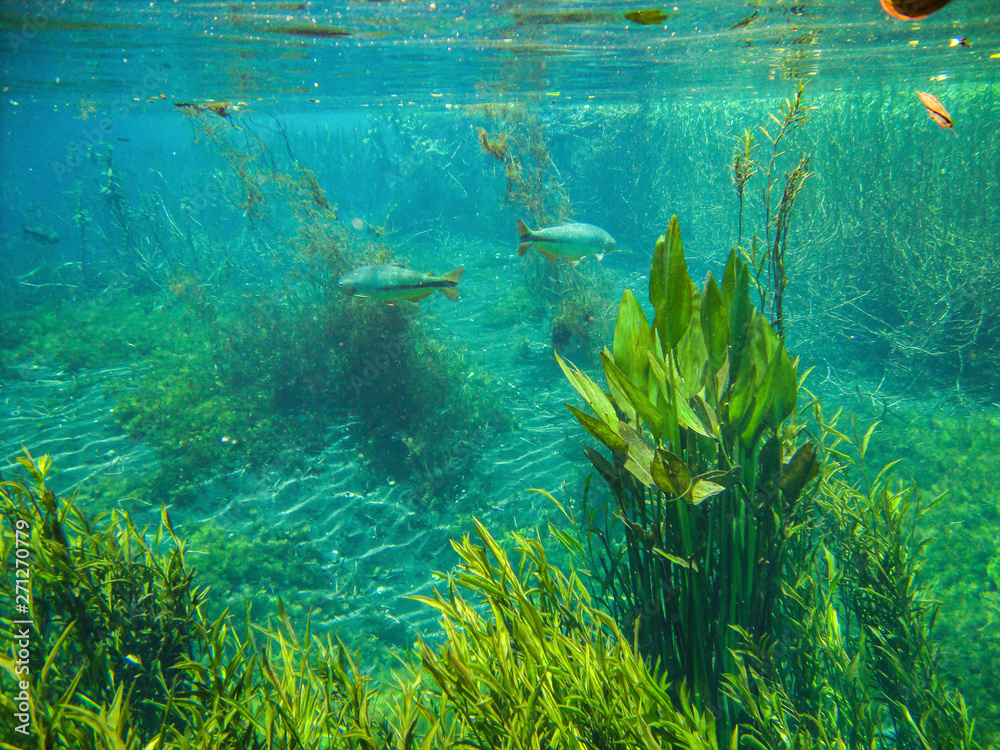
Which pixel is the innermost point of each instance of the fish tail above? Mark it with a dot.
(524, 238)
(456, 276)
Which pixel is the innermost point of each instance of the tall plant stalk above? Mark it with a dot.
(769, 255)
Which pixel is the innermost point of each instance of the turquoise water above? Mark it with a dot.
(107, 141)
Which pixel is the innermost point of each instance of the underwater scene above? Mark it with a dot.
(560, 374)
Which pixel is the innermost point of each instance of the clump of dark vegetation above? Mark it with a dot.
(223, 379)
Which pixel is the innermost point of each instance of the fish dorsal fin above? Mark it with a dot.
(397, 265)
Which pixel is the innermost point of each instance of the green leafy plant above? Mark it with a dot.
(698, 473)
(791, 610)
(769, 255)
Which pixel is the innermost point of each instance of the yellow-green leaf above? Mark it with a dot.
(636, 399)
(600, 430)
(596, 398)
(714, 323)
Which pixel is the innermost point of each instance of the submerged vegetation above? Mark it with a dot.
(753, 586)
(748, 578)
(509, 678)
(788, 608)
(570, 295)
(223, 379)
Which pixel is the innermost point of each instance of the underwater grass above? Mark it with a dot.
(526, 661)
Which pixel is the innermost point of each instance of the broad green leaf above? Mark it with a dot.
(786, 389)
(639, 456)
(670, 287)
(603, 466)
(687, 417)
(702, 489)
(741, 395)
(670, 473)
(705, 414)
(674, 407)
(729, 280)
(596, 398)
(632, 340)
(690, 352)
(637, 401)
(714, 324)
(617, 392)
(763, 401)
(600, 431)
(740, 316)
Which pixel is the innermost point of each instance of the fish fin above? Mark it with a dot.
(550, 256)
(450, 292)
(575, 263)
(455, 275)
(522, 229)
(599, 256)
(523, 248)
(418, 297)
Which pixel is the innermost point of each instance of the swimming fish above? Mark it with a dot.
(41, 234)
(391, 282)
(936, 109)
(569, 241)
(912, 10)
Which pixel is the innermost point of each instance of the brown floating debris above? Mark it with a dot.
(646, 17)
(912, 10)
(936, 109)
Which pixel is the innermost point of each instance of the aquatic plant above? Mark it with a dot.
(539, 665)
(703, 393)
(527, 662)
(771, 255)
(730, 575)
(520, 144)
(109, 614)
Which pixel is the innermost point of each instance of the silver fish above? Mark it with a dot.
(569, 241)
(395, 283)
(41, 234)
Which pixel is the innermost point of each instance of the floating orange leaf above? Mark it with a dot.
(912, 10)
(936, 109)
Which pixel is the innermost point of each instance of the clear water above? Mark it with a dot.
(617, 100)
